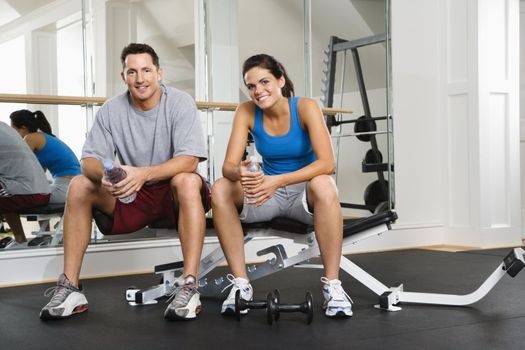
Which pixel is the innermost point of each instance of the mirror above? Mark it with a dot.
(44, 41)
(349, 71)
(72, 48)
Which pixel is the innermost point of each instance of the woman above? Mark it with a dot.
(295, 181)
(52, 153)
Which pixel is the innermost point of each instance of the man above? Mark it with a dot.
(156, 134)
(23, 183)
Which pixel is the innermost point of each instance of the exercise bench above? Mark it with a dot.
(45, 236)
(354, 231)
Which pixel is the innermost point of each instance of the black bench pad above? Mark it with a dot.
(353, 226)
(56, 208)
(350, 226)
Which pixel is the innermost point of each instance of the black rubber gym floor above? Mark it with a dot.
(495, 322)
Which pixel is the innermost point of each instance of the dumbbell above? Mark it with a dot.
(241, 304)
(274, 309)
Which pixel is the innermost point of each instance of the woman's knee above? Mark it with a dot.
(221, 192)
(323, 188)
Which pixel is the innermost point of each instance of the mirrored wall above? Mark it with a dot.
(335, 51)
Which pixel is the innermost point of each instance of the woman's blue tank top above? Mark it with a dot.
(284, 153)
(58, 158)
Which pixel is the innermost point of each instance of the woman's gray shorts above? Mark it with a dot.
(288, 201)
(59, 189)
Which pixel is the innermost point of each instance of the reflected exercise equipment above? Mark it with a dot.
(46, 235)
(373, 156)
(365, 128)
(376, 193)
(362, 128)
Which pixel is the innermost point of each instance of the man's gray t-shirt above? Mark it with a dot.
(145, 138)
(20, 171)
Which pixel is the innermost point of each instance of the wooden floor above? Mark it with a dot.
(496, 322)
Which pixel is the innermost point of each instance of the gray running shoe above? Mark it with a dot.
(66, 300)
(185, 301)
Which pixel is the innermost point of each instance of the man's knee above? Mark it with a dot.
(186, 186)
(81, 188)
(78, 185)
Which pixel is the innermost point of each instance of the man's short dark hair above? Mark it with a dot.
(136, 48)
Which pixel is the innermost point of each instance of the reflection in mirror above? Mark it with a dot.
(44, 41)
(280, 35)
(52, 55)
(48, 57)
(232, 37)
(166, 25)
(349, 44)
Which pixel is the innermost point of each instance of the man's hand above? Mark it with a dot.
(135, 179)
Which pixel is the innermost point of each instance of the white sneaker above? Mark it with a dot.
(228, 306)
(337, 303)
(65, 302)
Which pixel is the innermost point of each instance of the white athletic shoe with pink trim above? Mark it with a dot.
(66, 300)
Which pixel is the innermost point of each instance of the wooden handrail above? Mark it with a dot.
(79, 100)
(51, 100)
(221, 106)
(334, 111)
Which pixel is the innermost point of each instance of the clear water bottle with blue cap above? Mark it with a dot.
(114, 174)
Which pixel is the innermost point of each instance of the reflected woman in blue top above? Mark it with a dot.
(297, 163)
(52, 153)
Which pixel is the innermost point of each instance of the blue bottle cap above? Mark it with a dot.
(108, 165)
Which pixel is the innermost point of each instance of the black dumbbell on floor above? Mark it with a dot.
(274, 309)
(241, 304)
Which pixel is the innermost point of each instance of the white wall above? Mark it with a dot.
(455, 122)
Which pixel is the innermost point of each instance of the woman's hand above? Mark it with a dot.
(249, 180)
(264, 191)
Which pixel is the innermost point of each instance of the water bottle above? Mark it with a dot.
(114, 174)
(253, 167)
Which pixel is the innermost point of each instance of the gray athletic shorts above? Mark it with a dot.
(59, 189)
(288, 201)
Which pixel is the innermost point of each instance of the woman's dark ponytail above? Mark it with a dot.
(42, 122)
(33, 121)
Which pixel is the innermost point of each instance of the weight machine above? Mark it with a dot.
(377, 193)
